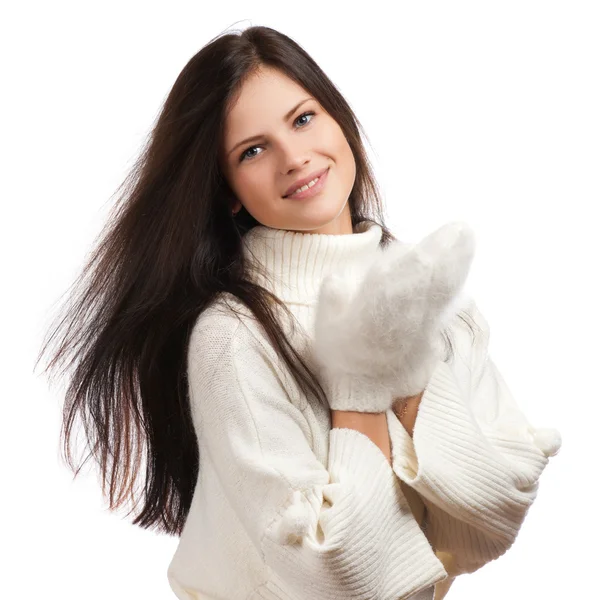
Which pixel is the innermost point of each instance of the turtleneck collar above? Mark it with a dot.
(297, 262)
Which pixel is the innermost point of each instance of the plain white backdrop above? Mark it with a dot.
(487, 112)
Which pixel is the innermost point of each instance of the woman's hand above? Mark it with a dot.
(406, 409)
(446, 256)
(377, 339)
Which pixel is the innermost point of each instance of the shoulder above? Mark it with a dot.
(228, 332)
(231, 363)
(225, 317)
(213, 333)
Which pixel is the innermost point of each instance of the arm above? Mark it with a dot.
(474, 459)
(340, 529)
(410, 415)
(373, 425)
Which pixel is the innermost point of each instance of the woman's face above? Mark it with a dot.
(289, 146)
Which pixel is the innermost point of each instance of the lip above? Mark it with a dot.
(315, 190)
(304, 181)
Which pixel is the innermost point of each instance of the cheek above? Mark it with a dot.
(253, 184)
(343, 154)
(339, 146)
(333, 138)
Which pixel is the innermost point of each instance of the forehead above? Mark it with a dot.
(264, 98)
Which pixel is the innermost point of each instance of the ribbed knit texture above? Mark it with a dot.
(284, 507)
(296, 263)
(474, 458)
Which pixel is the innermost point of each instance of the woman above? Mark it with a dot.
(277, 351)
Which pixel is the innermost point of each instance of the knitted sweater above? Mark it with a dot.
(287, 508)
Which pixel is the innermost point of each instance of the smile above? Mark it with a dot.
(311, 189)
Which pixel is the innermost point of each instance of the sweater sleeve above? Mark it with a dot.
(344, 530)
(474, 458)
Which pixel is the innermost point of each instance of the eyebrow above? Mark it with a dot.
(285, 118)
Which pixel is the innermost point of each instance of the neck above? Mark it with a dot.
(292, 264)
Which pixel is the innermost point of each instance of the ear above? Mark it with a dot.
(237, 205)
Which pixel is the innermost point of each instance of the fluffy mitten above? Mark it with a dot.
(377, 337)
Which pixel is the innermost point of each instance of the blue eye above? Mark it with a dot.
(244, 155)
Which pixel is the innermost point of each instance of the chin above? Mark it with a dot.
(327, 221)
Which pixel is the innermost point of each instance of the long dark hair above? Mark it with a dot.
(170, 246)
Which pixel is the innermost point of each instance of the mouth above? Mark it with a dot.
(312, 190)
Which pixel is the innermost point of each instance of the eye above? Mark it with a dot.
(244, 155)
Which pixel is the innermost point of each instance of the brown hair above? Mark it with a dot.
(170, 246)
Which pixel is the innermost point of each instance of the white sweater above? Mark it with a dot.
(286, 508)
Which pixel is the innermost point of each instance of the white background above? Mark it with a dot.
(487, 112)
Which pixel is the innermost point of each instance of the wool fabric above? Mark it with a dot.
(287, 508)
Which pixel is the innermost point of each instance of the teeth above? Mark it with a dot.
(305, 187)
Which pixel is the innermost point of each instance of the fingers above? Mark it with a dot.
(410, 287)
(451, 249)
(368, 322)
(454, 245)
(392, 299)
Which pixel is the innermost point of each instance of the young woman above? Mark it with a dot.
(253, 331)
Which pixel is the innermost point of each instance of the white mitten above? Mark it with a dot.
(378, 337)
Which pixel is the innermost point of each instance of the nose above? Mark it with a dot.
(293, 157)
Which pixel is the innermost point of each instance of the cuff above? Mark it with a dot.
(482, 476)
